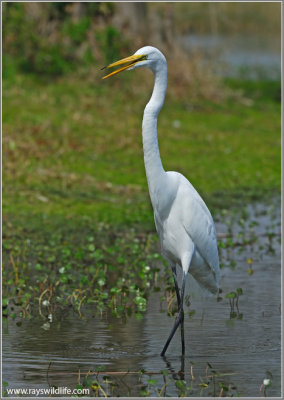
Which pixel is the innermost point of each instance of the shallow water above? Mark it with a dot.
(233, 55)
(243, 348)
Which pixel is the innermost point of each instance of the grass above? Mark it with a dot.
(75, 201)
(73, 147)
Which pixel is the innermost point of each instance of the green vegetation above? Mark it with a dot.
(77, 220)
(52, 39)
(74, 148)
(78, 225)
(70, 266)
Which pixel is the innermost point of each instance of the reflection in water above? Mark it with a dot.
(223, 350)
(176, 375)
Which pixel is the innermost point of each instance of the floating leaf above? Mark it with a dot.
(231, 295)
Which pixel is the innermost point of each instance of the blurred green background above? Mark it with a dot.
(72, 148)
(72, 143)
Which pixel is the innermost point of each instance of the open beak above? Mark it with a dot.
(129, 60)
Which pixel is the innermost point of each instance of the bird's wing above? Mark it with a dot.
(198, 223)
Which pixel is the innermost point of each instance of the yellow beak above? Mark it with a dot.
(129, 60)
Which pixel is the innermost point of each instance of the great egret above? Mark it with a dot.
(183, 221)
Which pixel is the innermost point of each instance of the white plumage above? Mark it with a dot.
(183, 221)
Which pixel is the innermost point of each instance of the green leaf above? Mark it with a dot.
(91, 247)
(231, 295)
(138, 316)
(83, 279)
(191, 313)
(5, 302)
(239, 291)
(180, 384)
(203, 385)
(79, 386)
(5, 313)
(152, 381)
(114, 290)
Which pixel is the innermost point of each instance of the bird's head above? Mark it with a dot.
(147, 56)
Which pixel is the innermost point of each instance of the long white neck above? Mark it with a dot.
(154, 169)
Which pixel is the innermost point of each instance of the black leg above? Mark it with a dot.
(181, 372)
(178, 321)
(176, 284)
(182, 313)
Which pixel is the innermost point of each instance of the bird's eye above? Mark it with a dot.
(143, 58)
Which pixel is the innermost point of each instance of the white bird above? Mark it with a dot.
(183, 221)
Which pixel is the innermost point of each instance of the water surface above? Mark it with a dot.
(242, 347)
(251, 57)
